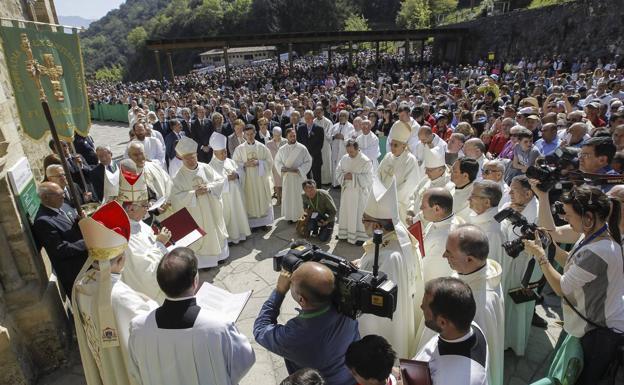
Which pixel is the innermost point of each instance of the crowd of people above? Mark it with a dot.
(430, 156)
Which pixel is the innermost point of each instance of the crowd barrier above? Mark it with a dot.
(110, 112)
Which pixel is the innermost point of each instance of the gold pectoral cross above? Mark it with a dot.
(49, 68)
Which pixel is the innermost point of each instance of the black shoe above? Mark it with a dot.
(267, 228)
(539, 322)
(359, 243)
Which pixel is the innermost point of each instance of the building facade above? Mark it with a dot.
(237, 56)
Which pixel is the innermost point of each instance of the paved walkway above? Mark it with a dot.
(250, 267)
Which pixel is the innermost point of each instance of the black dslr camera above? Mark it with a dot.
(527, 230)
(357, 291)
(313, 222)
(550, 170)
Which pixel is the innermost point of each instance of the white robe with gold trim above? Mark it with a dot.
(353, 196)
(293, 156)
(407, 173)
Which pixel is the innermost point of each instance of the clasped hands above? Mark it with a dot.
(252, 163)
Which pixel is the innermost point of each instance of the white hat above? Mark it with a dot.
(434, 157)
(132, 185)
(106, 235)
(186, 146)
(217, 141)
(277, 129)
(525, 111)
(400, 132)
(383, 202)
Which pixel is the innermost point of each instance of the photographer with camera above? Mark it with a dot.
(591, 284)
(518, 317)
(400, 259)
(320, 212)
(319, 336)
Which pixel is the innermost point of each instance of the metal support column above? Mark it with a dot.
(279, 62)
(422, 51)
(290, 60)
(170, 65)
(226, 61)
(407, 51)
(350, 55)
(157, 55)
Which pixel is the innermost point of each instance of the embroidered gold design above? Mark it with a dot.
(49, 68)
(107, 253)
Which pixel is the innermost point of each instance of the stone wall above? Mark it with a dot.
(34, 328)
(579, 28)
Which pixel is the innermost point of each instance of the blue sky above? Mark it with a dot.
(89, 9)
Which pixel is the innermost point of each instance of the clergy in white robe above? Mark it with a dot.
(437, 209)
(327, 171)
(355, 175)
(369, 144)
(518, 317)
(475, 148)
(181, 343)
(293, 162)
(468, 258)
(400, 259)
(406, 122)
(494, 170)
(484, 201)
(102, 304)
(154, 149)
(400, 165)
(236, 221)
(427, 140)
(158, 182)
(437, 175)
(463, 174)
(340, 132)
(274, 145)
(256, 163)
(145, 249)
(198, 188)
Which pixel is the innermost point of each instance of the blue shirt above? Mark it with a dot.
(317, 340)
(547, 148)
(607, 170)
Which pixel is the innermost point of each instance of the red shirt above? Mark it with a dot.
(498, 143)
(446, 135)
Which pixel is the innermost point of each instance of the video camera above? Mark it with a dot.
(550, 170)
(357, 291)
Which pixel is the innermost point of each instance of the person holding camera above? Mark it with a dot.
(319, 212)
(400, 260)
(518, 317)
(319, 336)
(591, 285)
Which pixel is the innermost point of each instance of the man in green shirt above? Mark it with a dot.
(320, 212)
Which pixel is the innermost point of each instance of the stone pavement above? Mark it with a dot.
(250, 267)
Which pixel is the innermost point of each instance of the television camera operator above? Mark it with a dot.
(319, 336)
(591, 285)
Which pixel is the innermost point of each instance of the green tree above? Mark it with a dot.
(414, 14)
(356, 23)
(137, 37)
(112, 74)
(440, 7)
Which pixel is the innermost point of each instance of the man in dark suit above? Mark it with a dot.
(98, 174)
(56, 230)
(312, 136)
(202, 129)
(85, 146)
(172, 139)
(55, 173)
(162, 125)
(279, 117)
(186, 122)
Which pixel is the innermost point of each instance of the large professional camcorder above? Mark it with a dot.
(527, 230)
(357, 291)
(550, 171)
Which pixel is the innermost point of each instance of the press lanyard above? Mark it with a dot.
(588, 240)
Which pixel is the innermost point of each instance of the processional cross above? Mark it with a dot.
(49, 68)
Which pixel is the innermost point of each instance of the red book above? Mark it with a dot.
(417, 232)
(184, 229)
(415, 372)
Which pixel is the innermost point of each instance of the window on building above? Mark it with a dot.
(248, 57)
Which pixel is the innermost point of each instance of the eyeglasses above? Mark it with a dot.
(488, 171)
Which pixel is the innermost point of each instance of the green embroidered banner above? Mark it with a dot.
(52, 59)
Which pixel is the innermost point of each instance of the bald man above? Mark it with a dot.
(56, 230)
(319, 337)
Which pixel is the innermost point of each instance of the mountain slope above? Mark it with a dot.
(75, 21)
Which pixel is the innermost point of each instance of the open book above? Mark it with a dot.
(415, 372)
(184, 229)
(220, 301)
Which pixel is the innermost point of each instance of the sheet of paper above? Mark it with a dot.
(158, 203)
(189, 238)
(219, 301)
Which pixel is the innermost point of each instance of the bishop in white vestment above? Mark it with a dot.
(256, 163)
(234, 214)
(102, 304)
(198, 188)
(400, 165)
(369, 144)
(400, 259)
(293, 161)
(355, 175)
(340, 132)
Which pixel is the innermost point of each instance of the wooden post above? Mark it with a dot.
(171, 73)
(226, 61)
(157, 55)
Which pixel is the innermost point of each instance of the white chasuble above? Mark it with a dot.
(293, 156)
(369, 145)
(353, 196)
(338, 145)
(327, 171)
(206, 209)
(407, 173)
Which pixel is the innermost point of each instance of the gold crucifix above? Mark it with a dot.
(49, 69)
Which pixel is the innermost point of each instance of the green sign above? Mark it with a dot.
(24, 189)
(28, 200)
(43, 60)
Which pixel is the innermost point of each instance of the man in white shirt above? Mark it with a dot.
(369, 144)
(463, 174)
(484, 201)
(327, 172)
(458, 355)
(152, 146)
(179, 343)
(340, 132)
